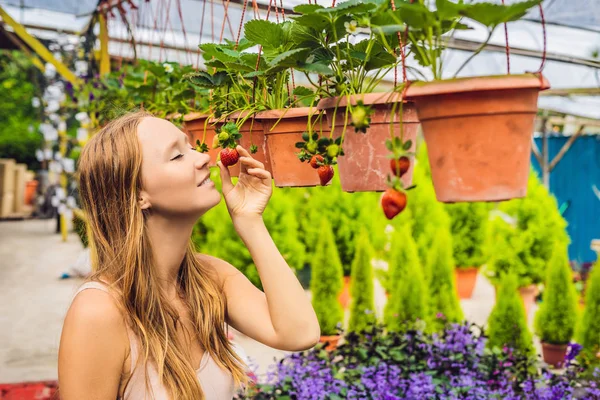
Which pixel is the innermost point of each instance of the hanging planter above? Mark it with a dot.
(366, 165)
(282, 130)
(478, 133)
(199, 127)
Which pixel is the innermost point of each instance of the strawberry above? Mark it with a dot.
(229, 156)
(393, 202)
(325, 174)
(400, 166)
(315, 160)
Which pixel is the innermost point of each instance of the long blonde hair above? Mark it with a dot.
(110, 182)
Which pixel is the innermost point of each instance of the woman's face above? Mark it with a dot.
(175, 177)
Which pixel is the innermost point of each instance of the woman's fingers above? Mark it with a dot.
(259, 173)
(251, 162)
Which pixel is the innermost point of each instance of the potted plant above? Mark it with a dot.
(352, 46)
(407, 302)
(555, 320)
(325, 286)
(443, 306)
(362, 309)
(587, 332)
(507, 325)
(478, 129)
(468, 224)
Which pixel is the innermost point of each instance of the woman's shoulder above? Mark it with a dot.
(94, 310)
(222, 269)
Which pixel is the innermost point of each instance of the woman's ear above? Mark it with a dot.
(144, 201)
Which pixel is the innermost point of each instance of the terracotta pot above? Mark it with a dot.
(332, 341)
(253, 133)
(30, 191)
(554, 354)
(344, 297)
(465, 281)
(478, 133)
(528, 294)
(197, 127)
(365, 165)
(283, 129)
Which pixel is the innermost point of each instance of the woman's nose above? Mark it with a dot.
(202, 160)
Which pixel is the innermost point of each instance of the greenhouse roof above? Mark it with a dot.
(573, 37)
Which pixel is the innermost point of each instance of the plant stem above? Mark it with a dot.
(475, 53)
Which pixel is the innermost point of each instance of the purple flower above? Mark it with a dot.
(572, 351)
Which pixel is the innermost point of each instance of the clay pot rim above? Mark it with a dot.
(367, 98)
(462, 268)
(194, 116)
(555, 345)
(285, 113)
(477, 84)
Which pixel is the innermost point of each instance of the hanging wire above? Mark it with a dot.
(507, 46)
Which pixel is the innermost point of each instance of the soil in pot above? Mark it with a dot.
(478, 133)
(283, 129)
(554, 354)
(465, 281)
(365, 165)
(195, 125)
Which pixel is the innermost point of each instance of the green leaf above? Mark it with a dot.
(254, 73)
(302, 91)
(305, 136)
(314, 21)
(266, 33)
(307, 8)
(416, 15)
(448, 10)
(492, 15)
(388, 145)
(407, 144)
(388, 29)
(299, 145)
(287, 59)
(317, 67)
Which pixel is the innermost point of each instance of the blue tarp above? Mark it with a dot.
(575, 181)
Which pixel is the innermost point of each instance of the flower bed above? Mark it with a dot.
(455, 364)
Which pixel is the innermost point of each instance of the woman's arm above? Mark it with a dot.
(93, 348)
(282, 316)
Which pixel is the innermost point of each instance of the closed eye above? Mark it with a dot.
(177, 157)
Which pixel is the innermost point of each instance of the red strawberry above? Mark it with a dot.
(315, 160)
(393, 202)
(400, 166)
(229, 156)
(325, 174)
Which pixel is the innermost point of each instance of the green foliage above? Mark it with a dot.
(159, 87)
(347, 213)
(588, 331)
(423, 213)
(427, 25)
(407, 300)
(537, 228)
(507, 325)
(443, 296)
(326, 283)
(214, 234)
(362, 309)
(557, 316)
(19, 138)
(468, 224)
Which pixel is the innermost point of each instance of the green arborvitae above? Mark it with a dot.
(362, 308)
(588, 334)
(326, 282)
(444, 305)
(407, 299)
(468, 224)
(556, 319)
(507, 325)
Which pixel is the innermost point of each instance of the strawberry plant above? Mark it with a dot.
(393, 200)
(320, 153)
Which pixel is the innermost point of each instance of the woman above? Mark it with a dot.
(154, 325)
